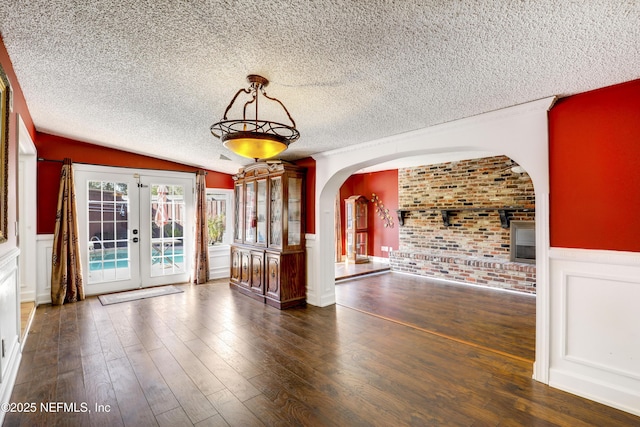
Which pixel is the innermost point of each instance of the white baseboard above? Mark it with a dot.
(6, 386)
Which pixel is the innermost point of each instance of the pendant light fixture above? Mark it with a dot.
(252, 137)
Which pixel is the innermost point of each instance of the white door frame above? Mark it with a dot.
(220, 255)
(519, 132)
(27, 221)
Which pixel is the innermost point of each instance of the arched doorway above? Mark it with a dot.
(519, 132)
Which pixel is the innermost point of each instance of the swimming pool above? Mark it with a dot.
(105, 259)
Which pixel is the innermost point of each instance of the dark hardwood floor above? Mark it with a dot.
(212, 357)
(499, 321)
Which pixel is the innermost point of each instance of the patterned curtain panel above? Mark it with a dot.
(66, 270)
(338, 228)
(201, 264)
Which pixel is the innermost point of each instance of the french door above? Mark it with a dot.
(135, 227)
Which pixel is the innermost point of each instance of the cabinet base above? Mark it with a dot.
(285, 304)
(281, 305)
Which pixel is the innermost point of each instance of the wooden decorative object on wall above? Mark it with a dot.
(381, 211)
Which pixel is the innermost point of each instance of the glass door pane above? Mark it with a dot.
(167, 222)
(108, 217)
(109, 252)
(166, 226)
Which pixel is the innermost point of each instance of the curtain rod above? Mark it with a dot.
(42, 159)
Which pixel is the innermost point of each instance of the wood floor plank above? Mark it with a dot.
(41, 390)
(156, 390)
(215, 421)
(101, 398)
(71, 393)
(202, 377)
(125, 332)
(172, 418)
(109, 341)
(232, 380)
(132, 403)
(239, 363)
(193, 402)
(286, 409)
(232, 410)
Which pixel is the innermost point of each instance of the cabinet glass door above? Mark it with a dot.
(361, 245)
(275, 238)
(238, 207)
(262, 212)
(295, 212)
(349, 224)
(350, 248)
(250, 220)
(361, 215)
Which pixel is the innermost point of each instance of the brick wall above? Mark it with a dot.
(474, 248)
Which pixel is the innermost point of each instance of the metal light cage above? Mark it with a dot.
(255, 138)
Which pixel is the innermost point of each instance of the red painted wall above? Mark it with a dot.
(310, 193)
(19, 108)
(385, 185)
(594, 152)
(57, 148)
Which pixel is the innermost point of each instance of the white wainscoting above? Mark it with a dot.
(219, 261)
(44, 249)
(595, 332)
(9, 324)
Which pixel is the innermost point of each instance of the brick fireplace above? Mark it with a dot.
(457, 222)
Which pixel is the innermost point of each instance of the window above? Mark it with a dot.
(523, 241)
(218, 217)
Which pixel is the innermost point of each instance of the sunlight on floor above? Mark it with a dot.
(26, 309)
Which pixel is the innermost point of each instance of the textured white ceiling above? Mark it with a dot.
(152, 76)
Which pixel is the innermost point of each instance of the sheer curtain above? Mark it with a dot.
(66, 269)
(201, 258)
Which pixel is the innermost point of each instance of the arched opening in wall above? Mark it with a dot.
(454, 227)
(519, 132)
(365, 222)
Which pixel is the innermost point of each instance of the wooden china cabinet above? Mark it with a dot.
(268, 253)
(356, 229)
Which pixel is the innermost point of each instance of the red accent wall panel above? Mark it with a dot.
(594, 168)
(310, 193)
(57, 148)
(385, 185)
